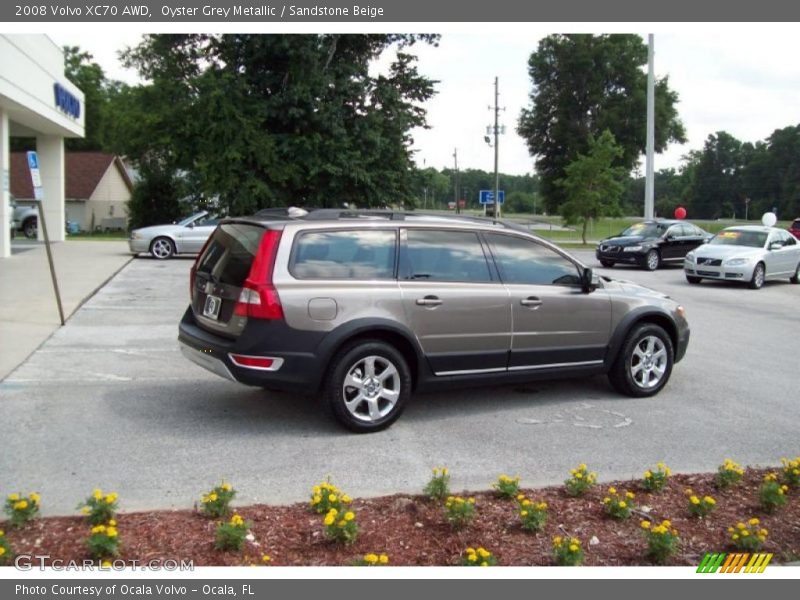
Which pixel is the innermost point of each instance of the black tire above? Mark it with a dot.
(162, 248)
(30, 227)
(376, 411)
(607, 263)
(652, 260)
(623, 374)
(692, 279)
(757, 280)
(796, 277)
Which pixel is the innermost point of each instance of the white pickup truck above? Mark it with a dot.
(25, 219)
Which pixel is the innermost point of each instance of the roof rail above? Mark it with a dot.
(334, 214)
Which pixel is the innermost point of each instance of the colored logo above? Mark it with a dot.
(734, 563)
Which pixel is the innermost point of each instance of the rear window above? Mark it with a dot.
(229, 254)
(345, 254)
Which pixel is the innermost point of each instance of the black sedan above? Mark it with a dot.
(650, 244)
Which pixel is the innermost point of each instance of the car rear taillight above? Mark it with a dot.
(193, 270)
(259, 298)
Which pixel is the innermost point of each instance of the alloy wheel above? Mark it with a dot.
(371, 388)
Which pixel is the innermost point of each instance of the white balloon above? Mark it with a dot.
(769, 219)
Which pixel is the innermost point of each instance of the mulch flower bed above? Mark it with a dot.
(412, 530)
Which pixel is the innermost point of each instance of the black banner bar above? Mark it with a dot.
(360, 11)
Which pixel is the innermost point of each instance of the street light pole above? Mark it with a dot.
(496, 148)
(455, 180)
(649, 194)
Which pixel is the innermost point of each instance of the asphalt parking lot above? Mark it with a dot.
(109, 401)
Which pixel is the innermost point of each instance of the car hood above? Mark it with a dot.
(628, 240)
(155, 230)
(725, 251)
(631, 288)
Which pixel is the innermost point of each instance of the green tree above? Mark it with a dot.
(715, 187)
(592, 184)
(266, 120)
(582, 85)
(89, 77)
(156, 196)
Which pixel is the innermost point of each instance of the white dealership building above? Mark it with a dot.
(37, 101)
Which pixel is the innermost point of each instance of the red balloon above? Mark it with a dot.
(680, 213)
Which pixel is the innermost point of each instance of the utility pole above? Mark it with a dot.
(455, 180)
(496, 148)
(649, 190)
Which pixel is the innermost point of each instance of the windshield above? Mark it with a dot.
(646, 230)
(734, 237)
(191, 218)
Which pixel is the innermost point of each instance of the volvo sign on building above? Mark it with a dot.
(37, 101)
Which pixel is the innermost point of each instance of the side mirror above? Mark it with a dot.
(775, 246)
(191, 225)
(587, 284)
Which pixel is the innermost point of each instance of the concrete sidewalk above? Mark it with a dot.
(28, 310)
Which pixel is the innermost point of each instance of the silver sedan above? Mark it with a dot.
(184, 237)
(750, 254)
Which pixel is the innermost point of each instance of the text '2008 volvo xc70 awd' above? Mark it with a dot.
(364, 308)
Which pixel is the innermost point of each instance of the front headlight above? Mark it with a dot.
(135, 235)
(633, 248)
(734, 262)
(690, 256)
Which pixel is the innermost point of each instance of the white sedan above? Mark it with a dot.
(184, 237)
(751, 254)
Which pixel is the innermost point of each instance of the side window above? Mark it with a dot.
(790, 241)
(687, 230)
(436, 255)
(675, 231)
(524, 261)
(349, 254)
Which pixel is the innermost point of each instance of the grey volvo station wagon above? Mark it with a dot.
(364, 308)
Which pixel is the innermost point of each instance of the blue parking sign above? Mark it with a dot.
(33, 160)
(487, 196)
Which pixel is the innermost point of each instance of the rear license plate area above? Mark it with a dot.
(211, 307)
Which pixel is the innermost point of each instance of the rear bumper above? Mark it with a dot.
(293, 370)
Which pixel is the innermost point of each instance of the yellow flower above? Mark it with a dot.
(582, 467)
(13, 497)
(329, 519)
(226, 487)
(630, 495)
(667, 471)
(444, 470)
(526, 502)
(371, 558)
(612, 490)
(471, 500)
(745, 533)
(753, 521)
(349, 516)
(98, 529)
(573, 548)
(645, 524)
(2, 550)
(237, 520)
(21, 505)
(694, 500)
(2, 533)
(346, 499)
(521, 497)
(472, 557)
(470, 550)
(542, 505)
(265, 558)
(113, 522)
(98, 494)
(606, 500)
(557, 540)
(111, 532)
(316, 500)
(523, 513)
(111, 498)
(341, 523)
(578, 475)
(35, 498)
(331, 497)
(383, 559)
(212, 497)
(86, 510)
(709, 500)
(764, 532)
(315, 490)
(688, 491)
(483, 553)
(648, 474)
(623, 504)
(484, 564)
(734, 537)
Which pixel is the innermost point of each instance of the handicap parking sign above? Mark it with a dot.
(33, 160)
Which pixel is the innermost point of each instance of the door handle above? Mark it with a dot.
(428, 301)
(531, 302)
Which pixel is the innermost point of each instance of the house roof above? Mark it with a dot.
(83, 172)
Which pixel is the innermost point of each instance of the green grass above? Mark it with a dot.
(99, 237)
